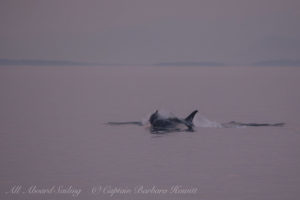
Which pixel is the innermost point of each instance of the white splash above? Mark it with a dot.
(201, 121)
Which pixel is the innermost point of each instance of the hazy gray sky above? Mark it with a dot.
(150, 31)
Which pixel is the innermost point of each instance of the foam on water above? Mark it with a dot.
(202, 121)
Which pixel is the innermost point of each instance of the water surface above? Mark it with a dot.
(53, 131)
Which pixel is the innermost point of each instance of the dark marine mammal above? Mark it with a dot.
(160, 123)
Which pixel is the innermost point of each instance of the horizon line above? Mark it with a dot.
(47, 62)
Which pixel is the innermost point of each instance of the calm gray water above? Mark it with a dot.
(53, 134)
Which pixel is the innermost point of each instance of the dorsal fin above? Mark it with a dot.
(190, 118)
(153, 116)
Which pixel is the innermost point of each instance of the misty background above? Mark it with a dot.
(143, 32)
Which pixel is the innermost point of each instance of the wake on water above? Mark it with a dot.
(203, 122)
(199, 121)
